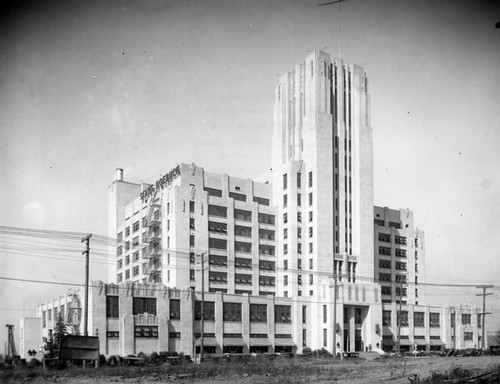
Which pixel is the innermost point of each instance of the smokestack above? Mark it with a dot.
(119, 174)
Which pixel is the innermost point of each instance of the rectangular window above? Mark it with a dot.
(285, 218)
(266, 250)
(267, 280)
(311, 280)
(191, 206)
(401, 266)
(218, 277)
(119, 251)
(243, 231)
(285, 280)
(479, 322)
(285, 201)
(120, 264)
(258, 313)
(386, 290)
(214, 226)
(238, 196)
(135, 271)
(285, 181)
(384, 251)
(310, 247)
(400, 240)
(468, 335)
(213, 192)
(325, 313)
(304, 314)
(282, 314)
(191, 223)
(218, 211)
(418, 319)
(434, 320)
(299, 263)
(267, 265)
(127, 231)
(299, 199)
(266, 219)
(384, 237)
(240, 262)
(299, 217)
(403, 318)
(240, 214)
(119, 278)
(261, 200)
(175, 309)
(384, 277)
(285, 264)
(466, 319)
(141, 331)
(299, 178)
(231, 312)
(127, 274)
(217, 260)
(310, 179)
(401, 252)
(299, 232)
(285, 249)
(191, 240)
(136, 256)
(240, 246)
(310, 231)
(217, 243)
(310, 216)
(325, 337)
(208, 310)
(135, 226)
(112, 309)
(266, 234)
(386, 318)
(310, 198)
(142, 305)
(384, 264)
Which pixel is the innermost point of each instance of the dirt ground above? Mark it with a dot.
(393, 370)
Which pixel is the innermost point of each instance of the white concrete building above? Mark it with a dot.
(399, 256)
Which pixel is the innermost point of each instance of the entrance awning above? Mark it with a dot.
(237, 341)
(405, 342)
(436, 342)
(284, 342)
(207, 342)
(421, 342)
(260, 342)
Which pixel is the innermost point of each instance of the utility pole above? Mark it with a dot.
(202, 304)
(398, 343)
(86, 309)
(334, 277)
(484, 313)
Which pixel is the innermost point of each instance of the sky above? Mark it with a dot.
(90, 86)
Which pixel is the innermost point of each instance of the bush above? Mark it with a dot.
(102, 360)
(154, 358)
(34, 363)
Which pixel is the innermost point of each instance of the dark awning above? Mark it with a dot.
(207, 342)
(421, 342)
(237, 341)
(284, 342)
(436, 342)
(405, 342)
(260, 342)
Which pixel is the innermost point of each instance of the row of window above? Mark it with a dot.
(231, 311)
(240, 278)
(240, 214)
(236, 196)
(299, 280)
(299, 180)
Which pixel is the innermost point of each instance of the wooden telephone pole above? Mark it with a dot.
(484, 313)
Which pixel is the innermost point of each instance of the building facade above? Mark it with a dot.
(399, 256)
(131, 318)
(195, 229)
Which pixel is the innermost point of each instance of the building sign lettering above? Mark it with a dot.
(162, 182)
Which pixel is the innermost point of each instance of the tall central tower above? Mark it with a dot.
(322, 164)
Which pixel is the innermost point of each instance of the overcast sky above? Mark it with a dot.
(89, 86)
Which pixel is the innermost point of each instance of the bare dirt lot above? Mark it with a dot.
(318, 371)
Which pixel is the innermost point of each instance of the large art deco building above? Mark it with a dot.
(268, 253)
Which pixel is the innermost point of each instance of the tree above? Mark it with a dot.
(60, 330)
(495, 338)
